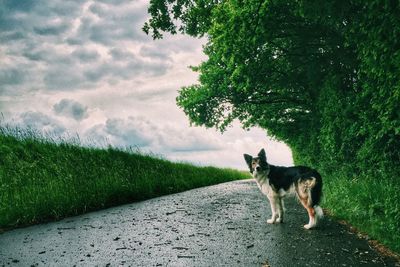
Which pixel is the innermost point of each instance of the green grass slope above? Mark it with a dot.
(42, 181)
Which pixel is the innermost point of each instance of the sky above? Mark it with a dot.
(82, 67)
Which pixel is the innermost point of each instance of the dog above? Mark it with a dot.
(277, 182)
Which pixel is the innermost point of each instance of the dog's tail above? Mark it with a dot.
(315, 194)
(313, 183)
(319, 212)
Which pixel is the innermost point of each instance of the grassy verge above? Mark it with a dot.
(370, 203)
(42, 181)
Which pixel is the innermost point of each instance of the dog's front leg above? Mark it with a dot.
(274, 209)
(281, 210)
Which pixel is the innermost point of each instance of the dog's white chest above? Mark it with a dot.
(265, 188)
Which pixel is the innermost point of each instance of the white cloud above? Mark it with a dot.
(40, 122)
(150, 136)
(134, 131)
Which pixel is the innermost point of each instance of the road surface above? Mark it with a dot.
(222, 225)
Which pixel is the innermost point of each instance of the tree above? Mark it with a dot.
(266, 62)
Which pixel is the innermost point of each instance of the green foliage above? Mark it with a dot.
(323, 76)
(194, 15)
(370, 203)
(41, 180)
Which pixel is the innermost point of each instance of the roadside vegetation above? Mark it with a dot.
(322, 76)
(43, 179)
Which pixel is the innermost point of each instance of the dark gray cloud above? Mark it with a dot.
(114, 24)
(65, 78)
(61, 8)
(151, 68)
(121, 54)
(114, 2)
(86, 55)
(11, 36)
(155, 52)
(18, 77)
(98, 73)
(29, 16)
(11, 76)
(49, 54)
(99, 9)
(153, 95)
(110, 33)
(52, 28)
(75, 40)
(72, 109)
(35, 55)
(125, 70)
(25, 5)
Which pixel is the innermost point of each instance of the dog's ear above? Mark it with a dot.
(262, 155)
(248, 159)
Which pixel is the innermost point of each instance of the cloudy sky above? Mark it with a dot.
(85, 67)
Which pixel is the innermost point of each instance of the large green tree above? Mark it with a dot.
(313, 73)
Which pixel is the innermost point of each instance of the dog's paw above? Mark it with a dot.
(309, 226)
(271, 221)
(279, 220)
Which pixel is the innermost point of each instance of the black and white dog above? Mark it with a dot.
(276, 182)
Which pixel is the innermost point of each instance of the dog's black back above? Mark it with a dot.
(284, 177)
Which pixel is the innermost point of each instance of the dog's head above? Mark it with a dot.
(258, 165)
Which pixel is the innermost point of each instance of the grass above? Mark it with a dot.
(44, 179)
(371, 203)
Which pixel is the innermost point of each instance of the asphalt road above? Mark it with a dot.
(222, 225)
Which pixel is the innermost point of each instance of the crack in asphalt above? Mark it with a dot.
(221, 225)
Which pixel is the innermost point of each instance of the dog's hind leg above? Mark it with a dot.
(312, 222)
(312, 218)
